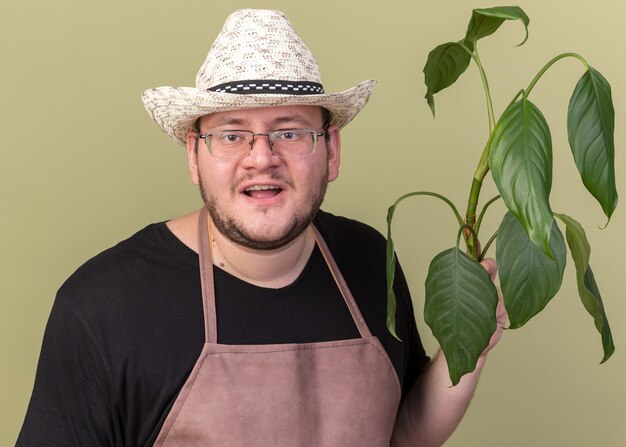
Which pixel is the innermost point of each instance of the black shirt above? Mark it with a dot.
(127, 327)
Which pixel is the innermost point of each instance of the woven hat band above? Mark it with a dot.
(270, 86)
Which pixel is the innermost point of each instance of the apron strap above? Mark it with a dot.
(208, 283)
(206, 278)
(341, 283)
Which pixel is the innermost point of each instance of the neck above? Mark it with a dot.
(265, 268)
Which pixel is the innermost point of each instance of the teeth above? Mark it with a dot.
(261, 187)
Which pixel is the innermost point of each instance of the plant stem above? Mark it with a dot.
(483, 77)
(423, 193)
(482, 212)
(487, 245)
(468, 232)
(483, 165)
(549, 64)
(470, 218)
(521, 92)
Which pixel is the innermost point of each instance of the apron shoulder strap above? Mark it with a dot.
(341, 283)
(206, 278)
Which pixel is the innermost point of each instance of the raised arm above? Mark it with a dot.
(434, 408)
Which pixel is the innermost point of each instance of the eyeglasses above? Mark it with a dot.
(285, 143)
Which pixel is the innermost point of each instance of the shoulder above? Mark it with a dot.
(358, 249)
(116, 269)
(344, 233)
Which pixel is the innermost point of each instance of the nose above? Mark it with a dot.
(267, 141)
(261, 155)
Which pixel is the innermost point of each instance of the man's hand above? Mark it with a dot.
(501, 315)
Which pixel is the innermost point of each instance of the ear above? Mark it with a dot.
(192, 156)
(333, 143)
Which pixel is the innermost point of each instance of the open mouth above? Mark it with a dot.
(262, 191)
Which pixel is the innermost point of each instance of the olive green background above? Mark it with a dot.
(82, 167)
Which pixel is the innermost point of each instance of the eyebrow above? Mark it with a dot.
(293, 118)
(282, 119)
(228, 121)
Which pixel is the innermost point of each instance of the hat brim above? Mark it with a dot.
(175, 109)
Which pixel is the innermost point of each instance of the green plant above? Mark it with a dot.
(461, 300)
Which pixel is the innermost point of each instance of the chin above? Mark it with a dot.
(260, 235)
(265, 231)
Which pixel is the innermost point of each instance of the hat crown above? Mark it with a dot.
(257, 45)
(253, 45)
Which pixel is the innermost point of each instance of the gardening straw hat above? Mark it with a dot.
(257, 60)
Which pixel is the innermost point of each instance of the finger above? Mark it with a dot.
(501, 313)
(490, 265)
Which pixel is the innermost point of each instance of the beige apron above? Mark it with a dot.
(338, 393)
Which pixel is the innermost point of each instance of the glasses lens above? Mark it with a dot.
(230, 144)
(293, 142)
(286, 143)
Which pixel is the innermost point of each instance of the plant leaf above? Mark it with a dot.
(391, 273)
(391, 254)
(460, 309)
(443, 67)
(607, 338)
(587, 287)
(529, 279)
(590, 128)
(485, 22)
(520, 158)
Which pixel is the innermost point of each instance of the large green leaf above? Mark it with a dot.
(528, 278)
(520, 158)
(443, 67)
(590, 127)
(460, 309)
(485, 22)
(587, 287)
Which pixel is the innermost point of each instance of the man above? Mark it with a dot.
(258, 320)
